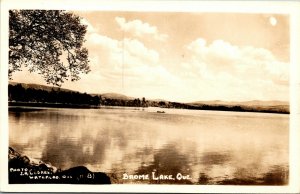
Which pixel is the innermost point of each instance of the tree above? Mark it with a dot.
(49, 42)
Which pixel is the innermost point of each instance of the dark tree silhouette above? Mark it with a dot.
(18, 93)
(49, 42)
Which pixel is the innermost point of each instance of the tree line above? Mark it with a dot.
(122, 102)
(18, 93)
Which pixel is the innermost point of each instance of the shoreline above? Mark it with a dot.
(17, 107)
(51, 105)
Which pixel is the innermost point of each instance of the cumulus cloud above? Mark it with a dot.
(129, 63)
(215, 71)
(139, 28)
(230, 72)
(132, 51)
(243, 62)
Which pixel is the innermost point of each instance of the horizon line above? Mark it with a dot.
(154, 99)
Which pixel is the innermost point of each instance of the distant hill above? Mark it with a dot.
(50, 88)
(35, 95)
(265, 103)
(116, 96)
(244, 103)
(252, 106)
(41, 87)
(158, 100)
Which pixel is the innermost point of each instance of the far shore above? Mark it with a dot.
(17, 106)
(50, 105)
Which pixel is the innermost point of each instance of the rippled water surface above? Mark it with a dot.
(209, 147)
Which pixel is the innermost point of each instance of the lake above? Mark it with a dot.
(193, 146)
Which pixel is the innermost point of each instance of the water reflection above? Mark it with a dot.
(167, 161)
(215, 158)
(212, 148)
(277, 175)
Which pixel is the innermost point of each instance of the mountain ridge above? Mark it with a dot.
(248, 103)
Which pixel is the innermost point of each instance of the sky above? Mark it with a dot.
(184, 57)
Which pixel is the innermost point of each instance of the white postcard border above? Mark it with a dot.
(282, 7)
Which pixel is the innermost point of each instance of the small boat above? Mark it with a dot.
(160, 111)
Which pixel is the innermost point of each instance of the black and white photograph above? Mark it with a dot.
(148, 97)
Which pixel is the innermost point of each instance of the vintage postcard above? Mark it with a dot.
(165, 96)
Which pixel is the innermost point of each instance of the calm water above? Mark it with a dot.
(212, 147)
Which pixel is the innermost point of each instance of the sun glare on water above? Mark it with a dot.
(273, 21)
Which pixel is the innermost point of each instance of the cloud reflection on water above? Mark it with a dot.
(117, 142)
